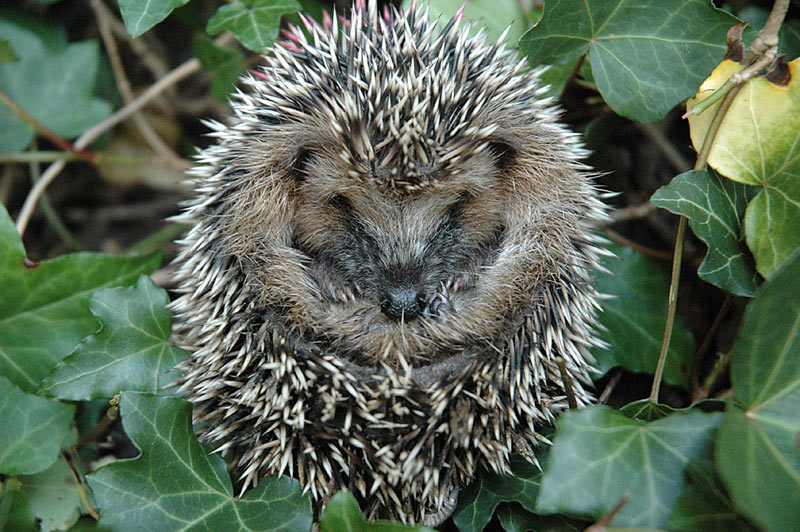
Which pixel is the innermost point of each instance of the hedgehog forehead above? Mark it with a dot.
(404, 103)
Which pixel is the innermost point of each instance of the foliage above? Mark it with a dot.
(83, 327)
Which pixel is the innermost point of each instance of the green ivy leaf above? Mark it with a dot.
(758, 143)
(772, 221)
(757, 451)
(646, 410)
(646, 56)
(175, 485)
(515, 518)
(704, 505)
(477, 502)
(44, 310)
(634, 318)
(47, 501)
(140, 16)
(255, 23)
(225, 66)
(9, 488)
(49, 73)
(596, 450)
(343, 514)
(715, 207)
(33, 428)
(7, 54)
(130, 352)
(493, 17)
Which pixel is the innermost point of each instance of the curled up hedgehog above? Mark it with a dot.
(392, 244)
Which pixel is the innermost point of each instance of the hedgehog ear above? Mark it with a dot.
(298, 162)
(503, 152)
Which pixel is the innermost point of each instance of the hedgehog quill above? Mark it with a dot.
(392, 244)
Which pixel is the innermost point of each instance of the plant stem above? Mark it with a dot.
(174, 76)
(701, 351)
(81, 485)
(186, 69)
(98, 430)
(719, 366)
(765, 45)
(565, 378)
(39, 156)
(104, 17)
(44, 130)
(51, 214)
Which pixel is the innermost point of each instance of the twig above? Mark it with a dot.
(150, 60)
(98, 430)
(104, 17)
(767, 36)
(719, 366)
(667, 149)
(575, 69)
(712, 332)
(79, 482)
(680, 237)
(612, 383)
(184, 70)
(6, 182)
(44, 130)
(43, 156)
(632, 212)
(724, 394)
(52, 216)
(602, 524)
(565, 378)
(644, 250)
(672, 305)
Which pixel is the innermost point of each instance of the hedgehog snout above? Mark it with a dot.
(403, 302)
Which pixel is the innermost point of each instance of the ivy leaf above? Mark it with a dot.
(757, 451)
(44, 310)
(225, 66)
(33, 428)
(7, 54)
(635, 315)
(758, 143)
(255, 23)
(141, 16)
(646, 410)
(130, 352)
(704, 505)
(715, 207)
(49, 73)
(343, 514)
(50, 500)
(646, 56)
(478, 501)
(493, 17)
(175, 485)
(514, 518)
(597, 450)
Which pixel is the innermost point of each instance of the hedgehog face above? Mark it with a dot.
(392, 271)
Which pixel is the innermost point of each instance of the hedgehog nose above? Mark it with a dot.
(403, 302)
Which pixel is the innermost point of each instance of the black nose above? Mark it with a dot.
(403, 302)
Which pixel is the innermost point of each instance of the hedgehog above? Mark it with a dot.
(387, 285)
